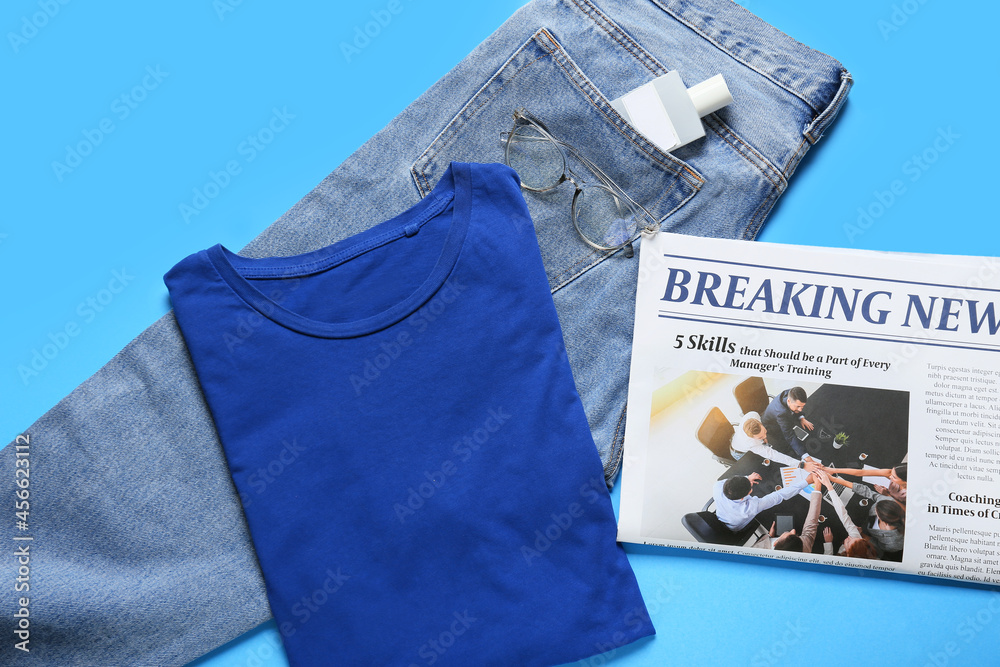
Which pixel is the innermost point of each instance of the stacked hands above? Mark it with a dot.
(770, 435)
(879, 537)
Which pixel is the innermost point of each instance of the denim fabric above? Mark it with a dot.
(144, 557)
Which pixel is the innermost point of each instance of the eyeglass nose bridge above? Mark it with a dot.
(568, 176)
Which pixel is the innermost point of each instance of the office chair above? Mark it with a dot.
(705, 526)
(752, 395)
(716, 433)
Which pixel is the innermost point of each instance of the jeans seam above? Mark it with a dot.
(797, 155)
(732, 55)
(610, 27)
(615, 458)
(753, 227)
(545, 40)
(725, 133)
(814, 130)
(447, 142)
(619, 35)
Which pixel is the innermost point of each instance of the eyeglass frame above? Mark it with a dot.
(523, 116)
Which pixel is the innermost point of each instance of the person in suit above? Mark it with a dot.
(782, 415)
(752, 436)
(736, 507)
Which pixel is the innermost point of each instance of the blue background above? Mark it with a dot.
(921, 68)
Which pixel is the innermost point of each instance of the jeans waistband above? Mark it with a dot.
(820, 81)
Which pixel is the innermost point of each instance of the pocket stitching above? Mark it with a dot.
(595, 97)
(543, 39)
(579, 268)
(585, 264)
(610, 27)
(432, 149)
(642, 56)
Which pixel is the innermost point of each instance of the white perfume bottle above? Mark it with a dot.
(668, 113)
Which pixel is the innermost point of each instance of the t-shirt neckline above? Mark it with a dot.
(454, 186)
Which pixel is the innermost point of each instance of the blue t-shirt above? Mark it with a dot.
(413, 459)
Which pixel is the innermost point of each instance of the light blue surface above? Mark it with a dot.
(226, 72)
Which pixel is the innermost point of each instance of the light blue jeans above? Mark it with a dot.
(144, 557)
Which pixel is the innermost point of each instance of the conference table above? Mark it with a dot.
(876, 421)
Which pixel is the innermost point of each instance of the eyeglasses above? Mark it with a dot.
(602, 212)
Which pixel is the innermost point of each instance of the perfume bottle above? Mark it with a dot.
(668, 113)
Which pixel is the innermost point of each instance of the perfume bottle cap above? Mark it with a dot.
(710, 95)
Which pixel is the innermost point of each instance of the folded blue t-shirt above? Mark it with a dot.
(413, 459)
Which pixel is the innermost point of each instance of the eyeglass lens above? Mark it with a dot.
(538, 161)
(604, 219)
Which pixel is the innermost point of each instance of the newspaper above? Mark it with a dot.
(896, 358)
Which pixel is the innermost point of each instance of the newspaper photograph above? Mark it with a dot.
(828, 406)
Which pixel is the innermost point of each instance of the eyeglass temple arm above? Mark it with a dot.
(608, 181)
